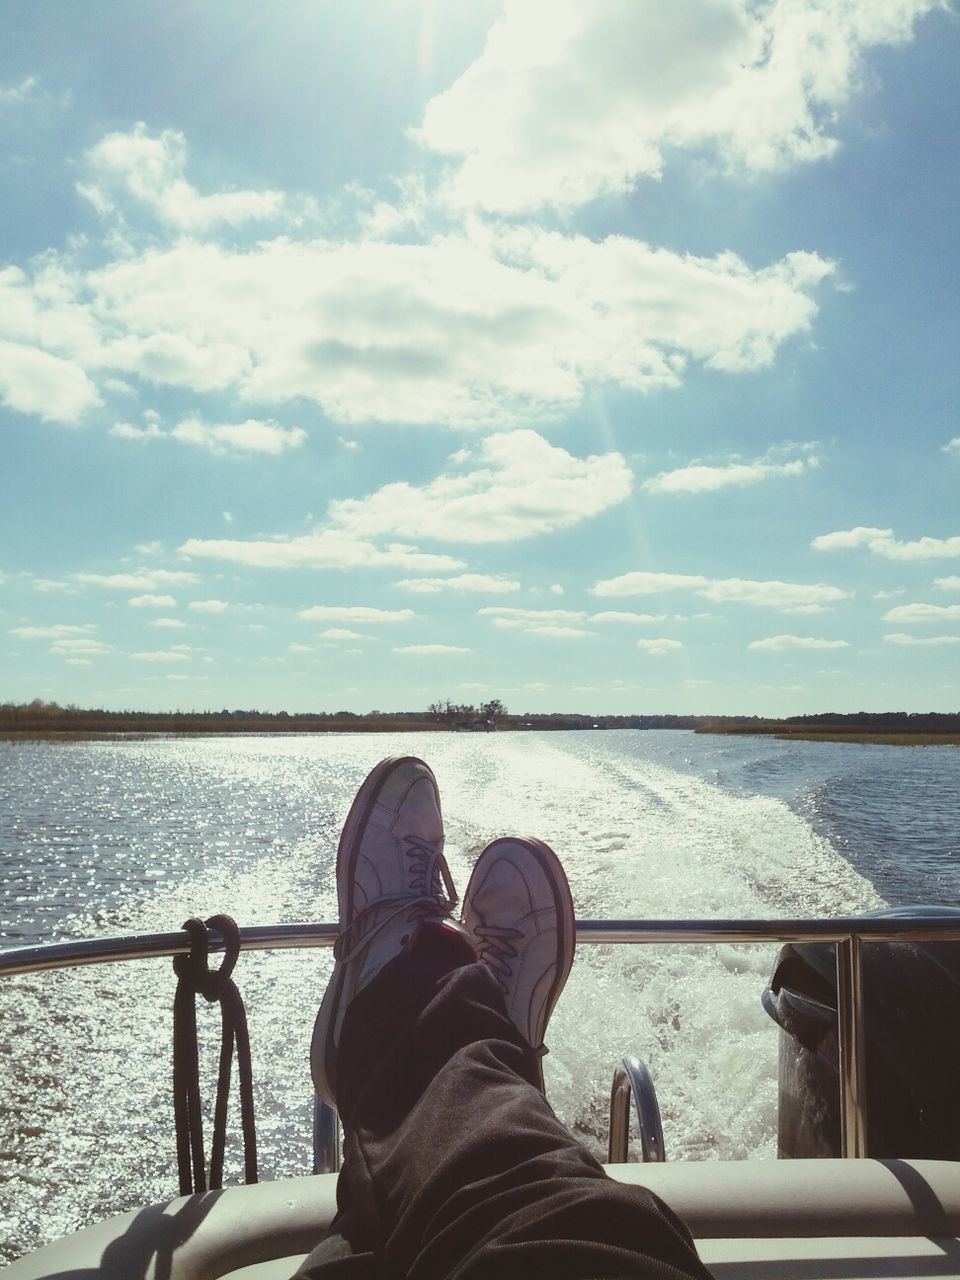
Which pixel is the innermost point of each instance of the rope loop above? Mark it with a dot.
(195, 964)
(194, 977)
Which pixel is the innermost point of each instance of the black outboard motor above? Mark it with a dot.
(912, 1034)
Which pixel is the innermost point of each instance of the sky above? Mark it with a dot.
(592, 355)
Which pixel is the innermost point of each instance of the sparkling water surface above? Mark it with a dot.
(108, 837)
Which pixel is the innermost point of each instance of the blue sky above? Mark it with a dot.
(588, 354)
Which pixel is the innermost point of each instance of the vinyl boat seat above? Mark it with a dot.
(752, 1220)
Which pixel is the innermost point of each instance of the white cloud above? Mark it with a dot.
(509, 486)
(554, 623)
(647, 311)
(141, 580)
(550, 629)
(573, 99)
(778, 643)
(537, 616)
(698, 478)
(340, 633)
(130, 431)
(161, 655)
(151, 602)
(904, 639)
(642, 583)
(56, 631)
(882, 542)
(485, 327)
(921, 549)
(951, 583)
(168, 623)
(657, 648)
(354, 613)
(953, 446)
(922, 613)
(614, 616)
(36, 382)
(251, 436)
(479, 582)
(150, 170)
(431, 649)
(516, 485)
(208, 606)
(326, 549)
(294, 647)
(861, 536)
(87, 647)
(15, 94)
(785, 597)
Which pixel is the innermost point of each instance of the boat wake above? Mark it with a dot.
(85, 1105)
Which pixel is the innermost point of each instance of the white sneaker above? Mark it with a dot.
(391, 877)
(518, 913)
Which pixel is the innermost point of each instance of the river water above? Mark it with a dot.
(108, 837)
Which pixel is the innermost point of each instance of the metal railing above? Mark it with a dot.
(848, 934)
(632, 1080)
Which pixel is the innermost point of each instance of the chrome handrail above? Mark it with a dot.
(632, 1079)
(848, 933)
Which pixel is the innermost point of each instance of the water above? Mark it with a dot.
(112, 837)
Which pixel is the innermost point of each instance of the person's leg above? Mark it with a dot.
(454, 1163)
(391, 879)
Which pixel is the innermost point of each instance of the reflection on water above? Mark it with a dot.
(110, 837)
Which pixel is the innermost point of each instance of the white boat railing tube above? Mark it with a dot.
(848, 934)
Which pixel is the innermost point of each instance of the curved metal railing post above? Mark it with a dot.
(632, 1078)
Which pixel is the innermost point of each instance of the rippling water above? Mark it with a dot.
(112, 837)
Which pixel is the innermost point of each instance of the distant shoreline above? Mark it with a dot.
(39, 720)
(872, 739)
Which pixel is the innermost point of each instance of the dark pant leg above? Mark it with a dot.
(455, 1165)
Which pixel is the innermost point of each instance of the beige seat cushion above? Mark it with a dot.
(852, 1220)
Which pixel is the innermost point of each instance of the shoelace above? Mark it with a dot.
(495, 949)
(429, 877)
(429, 873)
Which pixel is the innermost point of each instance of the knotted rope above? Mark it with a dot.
(194, 977)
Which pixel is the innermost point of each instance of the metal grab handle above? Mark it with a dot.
(326, 1138)
(632, 1077)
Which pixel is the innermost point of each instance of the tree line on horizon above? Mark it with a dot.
(39, 716)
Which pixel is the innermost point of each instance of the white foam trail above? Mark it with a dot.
(88, 1051)
(641, 840)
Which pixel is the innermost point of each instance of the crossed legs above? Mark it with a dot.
(455, 1165)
